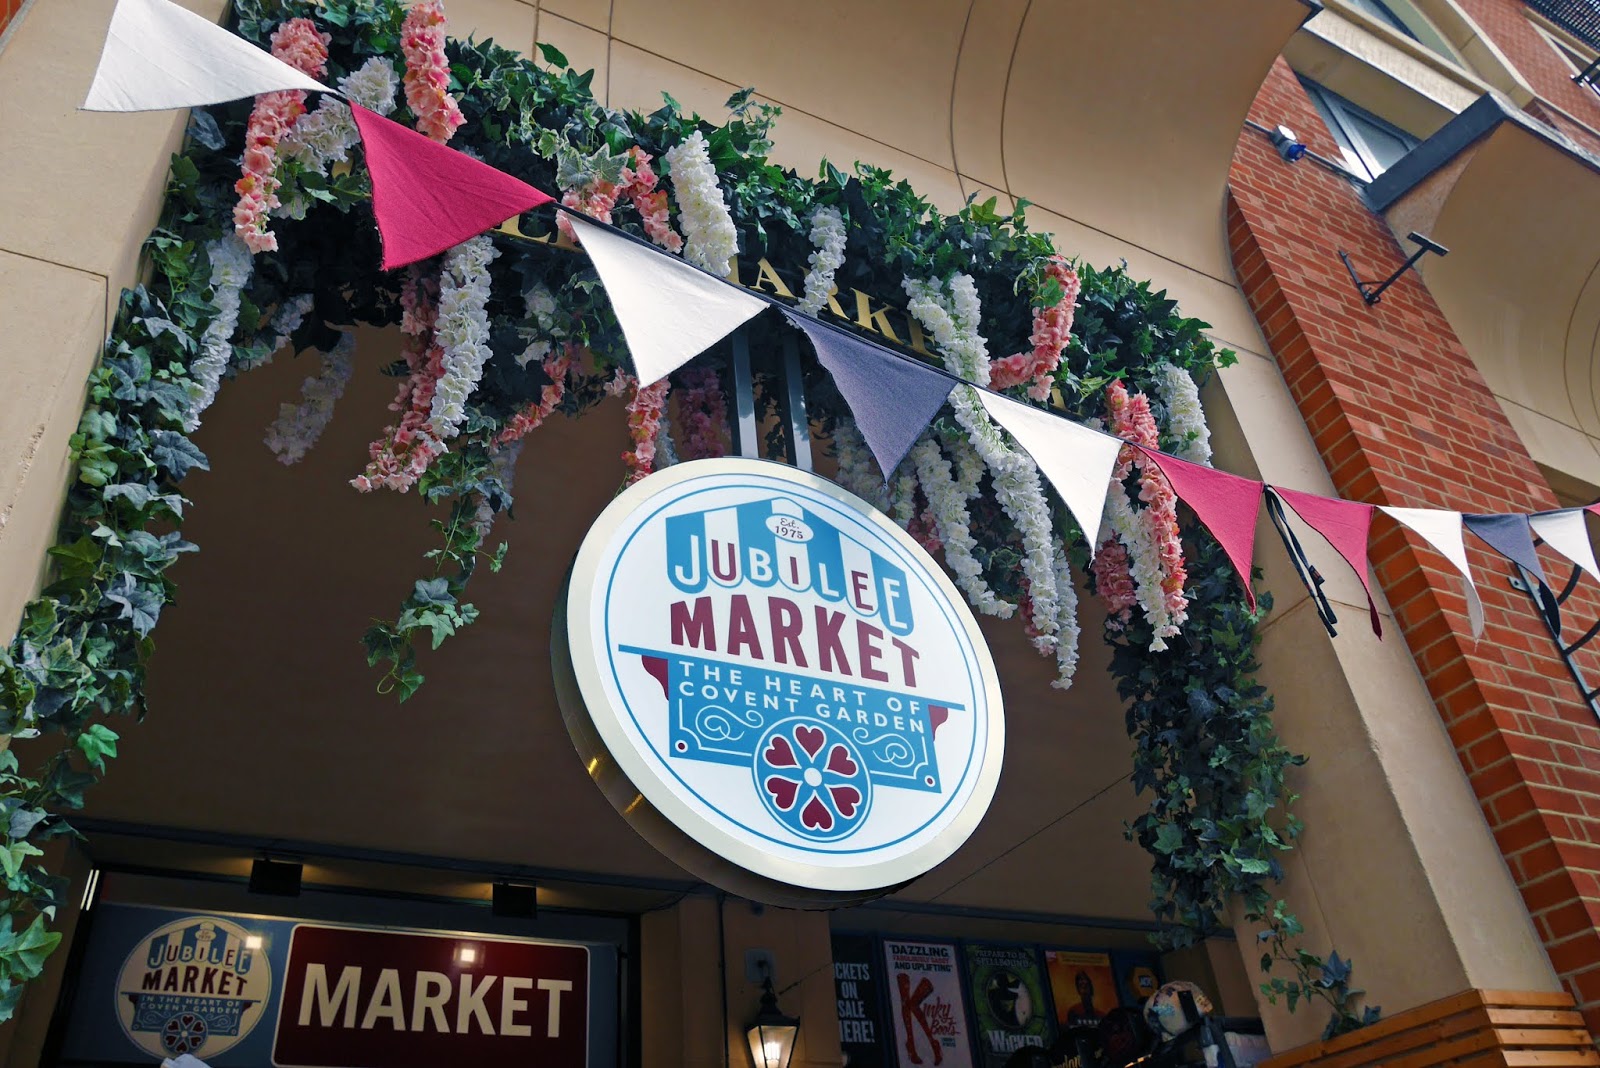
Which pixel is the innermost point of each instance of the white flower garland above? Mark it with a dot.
(666, 450)
(830, 238)
(858, 471)
(462, 332)
(1069, 633)
(325, 136)
(903, 498)
(953, 324)
(1186, 419)
(298, 427)
(231, 266)
(947, 501)
(710, 240)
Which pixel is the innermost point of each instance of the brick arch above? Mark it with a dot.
(1401, 416)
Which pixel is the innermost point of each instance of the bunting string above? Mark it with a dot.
(428, 197)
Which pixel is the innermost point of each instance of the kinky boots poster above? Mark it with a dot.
(926, 1005)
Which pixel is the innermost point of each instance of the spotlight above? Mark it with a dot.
(1290, 148)
(466, 955)
(515, 900)
(278, 878)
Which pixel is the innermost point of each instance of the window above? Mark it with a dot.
(1404, 17)
(1370, 145)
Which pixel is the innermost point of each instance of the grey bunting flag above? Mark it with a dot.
(893, 399)
(1510, 536)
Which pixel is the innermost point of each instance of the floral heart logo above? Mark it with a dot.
(779, 755)
(816, 815)
(845, 799)
(783, 791)
(810, 739)
(839, 762)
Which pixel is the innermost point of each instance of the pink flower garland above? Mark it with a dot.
(597, 199)
(404, 452)
(1113, 581)
(646, 407)
(556, 365)
(1131, 420)
(299, 44)
(702, 413)
(427, 77)
(1052, 329)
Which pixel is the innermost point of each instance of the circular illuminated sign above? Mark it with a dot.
(197, 985)
(769, 677)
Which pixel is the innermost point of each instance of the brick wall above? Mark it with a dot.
(1506, 23)
(1402, 417)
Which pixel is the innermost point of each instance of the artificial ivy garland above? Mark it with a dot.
(500, 333)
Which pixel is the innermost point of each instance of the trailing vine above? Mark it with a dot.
(1204, 745)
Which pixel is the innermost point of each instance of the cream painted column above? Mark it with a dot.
(83, 191)
(1396, 869)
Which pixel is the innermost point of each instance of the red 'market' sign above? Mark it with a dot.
(388, 999)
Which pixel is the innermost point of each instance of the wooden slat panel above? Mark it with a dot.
(1405, 1041)
(1535, 1017)
(1550, 999)
(1543, 1058)
(1542, 1036)
(1443, 1052)
(1316, 1051)
(1473, 1029)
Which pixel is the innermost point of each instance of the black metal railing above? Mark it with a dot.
(1581, 18)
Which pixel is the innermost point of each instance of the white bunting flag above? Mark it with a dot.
(1077, 461)
(160, 56)
(670, 311)
(1567, 533)
(1442, 530)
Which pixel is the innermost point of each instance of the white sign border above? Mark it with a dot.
(587, 665)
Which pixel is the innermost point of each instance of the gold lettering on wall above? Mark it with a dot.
(766, 273)
(877, 321)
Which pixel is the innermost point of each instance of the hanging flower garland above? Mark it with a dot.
(300, 44)
(1052, 329)
(952, 321)
(427, 77)
(702, 413)
(711, 241)
(231, 264)
(299, 426)
(556, 365)
(947, 502)
(461, 332)
(1189, 436)
(830, 239)
(406, 449)
(321, 138)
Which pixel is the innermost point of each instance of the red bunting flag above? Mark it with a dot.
(1345, 526)
(428, 197)
(1226, 504)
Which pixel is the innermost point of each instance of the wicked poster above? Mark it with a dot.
(856, 968)
(1008, 1001)
(926, 1005)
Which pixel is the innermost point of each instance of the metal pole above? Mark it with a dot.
(797, 426)
(746, 441)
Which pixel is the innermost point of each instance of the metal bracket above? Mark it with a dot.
(1372, 292)
(1548, 604)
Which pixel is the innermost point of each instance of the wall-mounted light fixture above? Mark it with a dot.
(1372, 292)
(1290, 147)
(516, 900)
(772, 1035)
(278, 878)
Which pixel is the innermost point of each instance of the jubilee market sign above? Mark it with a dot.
(775, 685)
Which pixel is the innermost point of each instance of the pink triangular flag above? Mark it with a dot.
(1345, 526)
(1226, 504)
(427, 197)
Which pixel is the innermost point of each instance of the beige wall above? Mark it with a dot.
(997, 96)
